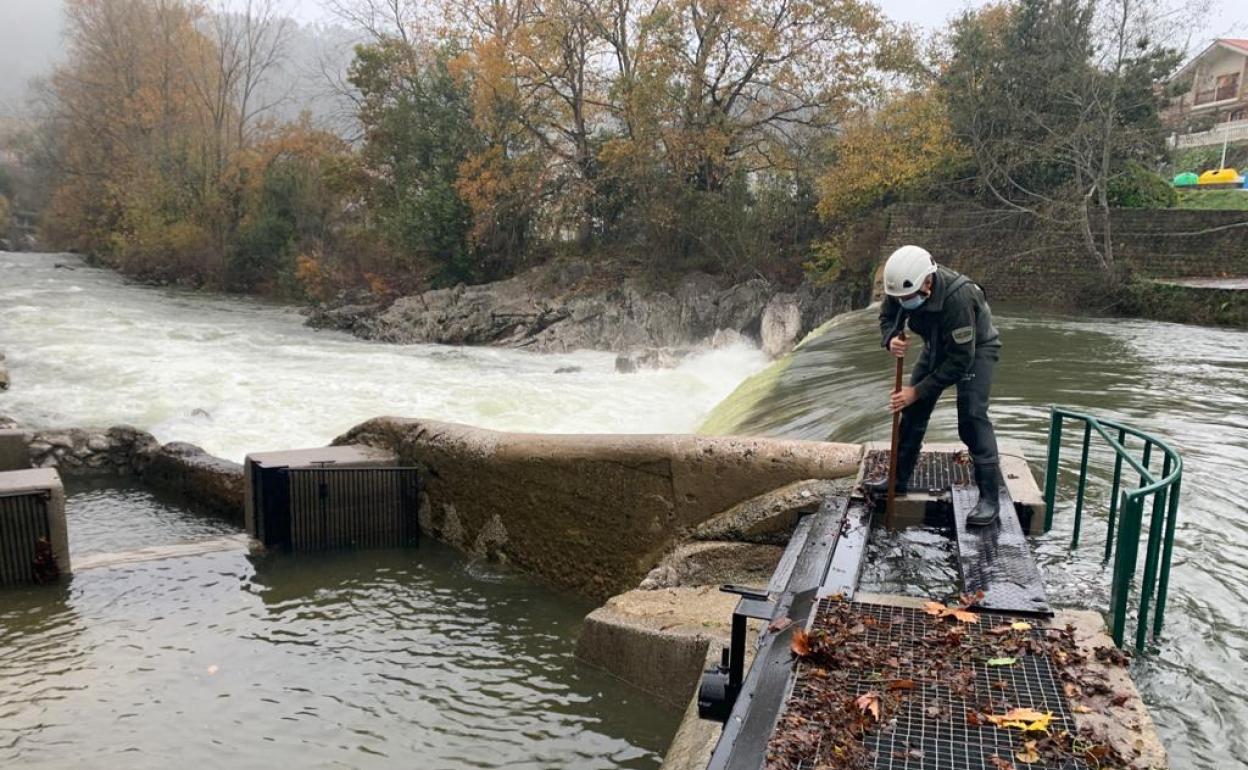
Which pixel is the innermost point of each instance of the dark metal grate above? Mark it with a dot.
(353, 507)
(996, 560)
(935, 472)
(23, 520)
(921, 740)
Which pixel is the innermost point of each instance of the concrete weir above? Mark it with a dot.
(591, 513)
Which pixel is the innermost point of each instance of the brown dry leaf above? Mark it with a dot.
(999, 630)
(901, 684)
(935, 608)
(800, 643)
(869, 703)
(779, 624)
(1000, 763)
(969, 600)
(1028, 754)
(958, 612)
(1027, 720)
(1079, 708)
(972, 719)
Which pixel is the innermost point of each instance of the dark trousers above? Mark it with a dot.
(974, 427)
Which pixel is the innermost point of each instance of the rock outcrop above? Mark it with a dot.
(577, 305)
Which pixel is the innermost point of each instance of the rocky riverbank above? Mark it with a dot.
(577, 305)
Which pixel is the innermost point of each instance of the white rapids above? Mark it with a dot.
(87, 349)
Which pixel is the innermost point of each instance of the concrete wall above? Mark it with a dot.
(1021, 259)
(590, 513)
(208, 482)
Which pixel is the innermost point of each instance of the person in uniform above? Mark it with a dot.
(961, 347)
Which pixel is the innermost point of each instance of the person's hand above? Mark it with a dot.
(897, 346)
(902, 398)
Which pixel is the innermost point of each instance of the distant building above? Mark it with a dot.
(1213, 101)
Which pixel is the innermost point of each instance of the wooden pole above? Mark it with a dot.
(892, 455)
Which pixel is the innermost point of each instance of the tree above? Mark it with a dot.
(1055, 98)
(418, 132)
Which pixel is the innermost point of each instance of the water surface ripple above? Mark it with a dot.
(386, 659)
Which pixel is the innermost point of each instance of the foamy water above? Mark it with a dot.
(236, 376)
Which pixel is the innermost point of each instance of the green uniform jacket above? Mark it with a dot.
(953, 322)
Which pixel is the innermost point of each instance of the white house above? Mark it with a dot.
(1214, 102)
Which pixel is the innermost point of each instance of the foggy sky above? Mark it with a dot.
(30, 32)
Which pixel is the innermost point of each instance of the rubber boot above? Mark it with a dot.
(905, 469)
(988, 509)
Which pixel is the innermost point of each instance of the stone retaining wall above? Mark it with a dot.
(1030, 262)
(589, 513)
(117, 451)
(204, 481)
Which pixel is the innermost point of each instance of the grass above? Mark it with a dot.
(1221, 200)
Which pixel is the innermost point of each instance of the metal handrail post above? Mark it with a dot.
(1151, 557)
(1167, 553)
(1050, 482)
(1083, 482)
(1113, 497)
(1124, 562)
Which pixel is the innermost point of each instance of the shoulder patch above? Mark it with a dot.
(964, 335)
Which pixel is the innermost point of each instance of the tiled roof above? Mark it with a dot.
(1239, 43)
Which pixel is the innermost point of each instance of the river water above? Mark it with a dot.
(238, 376)
(380, 659)
(1186, 384)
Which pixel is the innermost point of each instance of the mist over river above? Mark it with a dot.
(236, 376)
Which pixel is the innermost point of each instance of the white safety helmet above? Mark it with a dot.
(905, 270)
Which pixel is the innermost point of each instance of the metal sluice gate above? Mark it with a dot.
(323, 508)
(25, 523)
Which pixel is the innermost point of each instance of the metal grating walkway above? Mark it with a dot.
(935, 473)
(995, 559)
(930, 729)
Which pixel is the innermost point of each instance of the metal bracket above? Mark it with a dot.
(721, 684)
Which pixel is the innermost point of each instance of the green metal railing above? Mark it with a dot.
(1127, 511)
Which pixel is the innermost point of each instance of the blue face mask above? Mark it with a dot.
(913, 303)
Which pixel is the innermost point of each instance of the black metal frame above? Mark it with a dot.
(758, 703)
(325, 507)
(24, 520)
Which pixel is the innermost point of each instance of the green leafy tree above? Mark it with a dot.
(418, 131)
